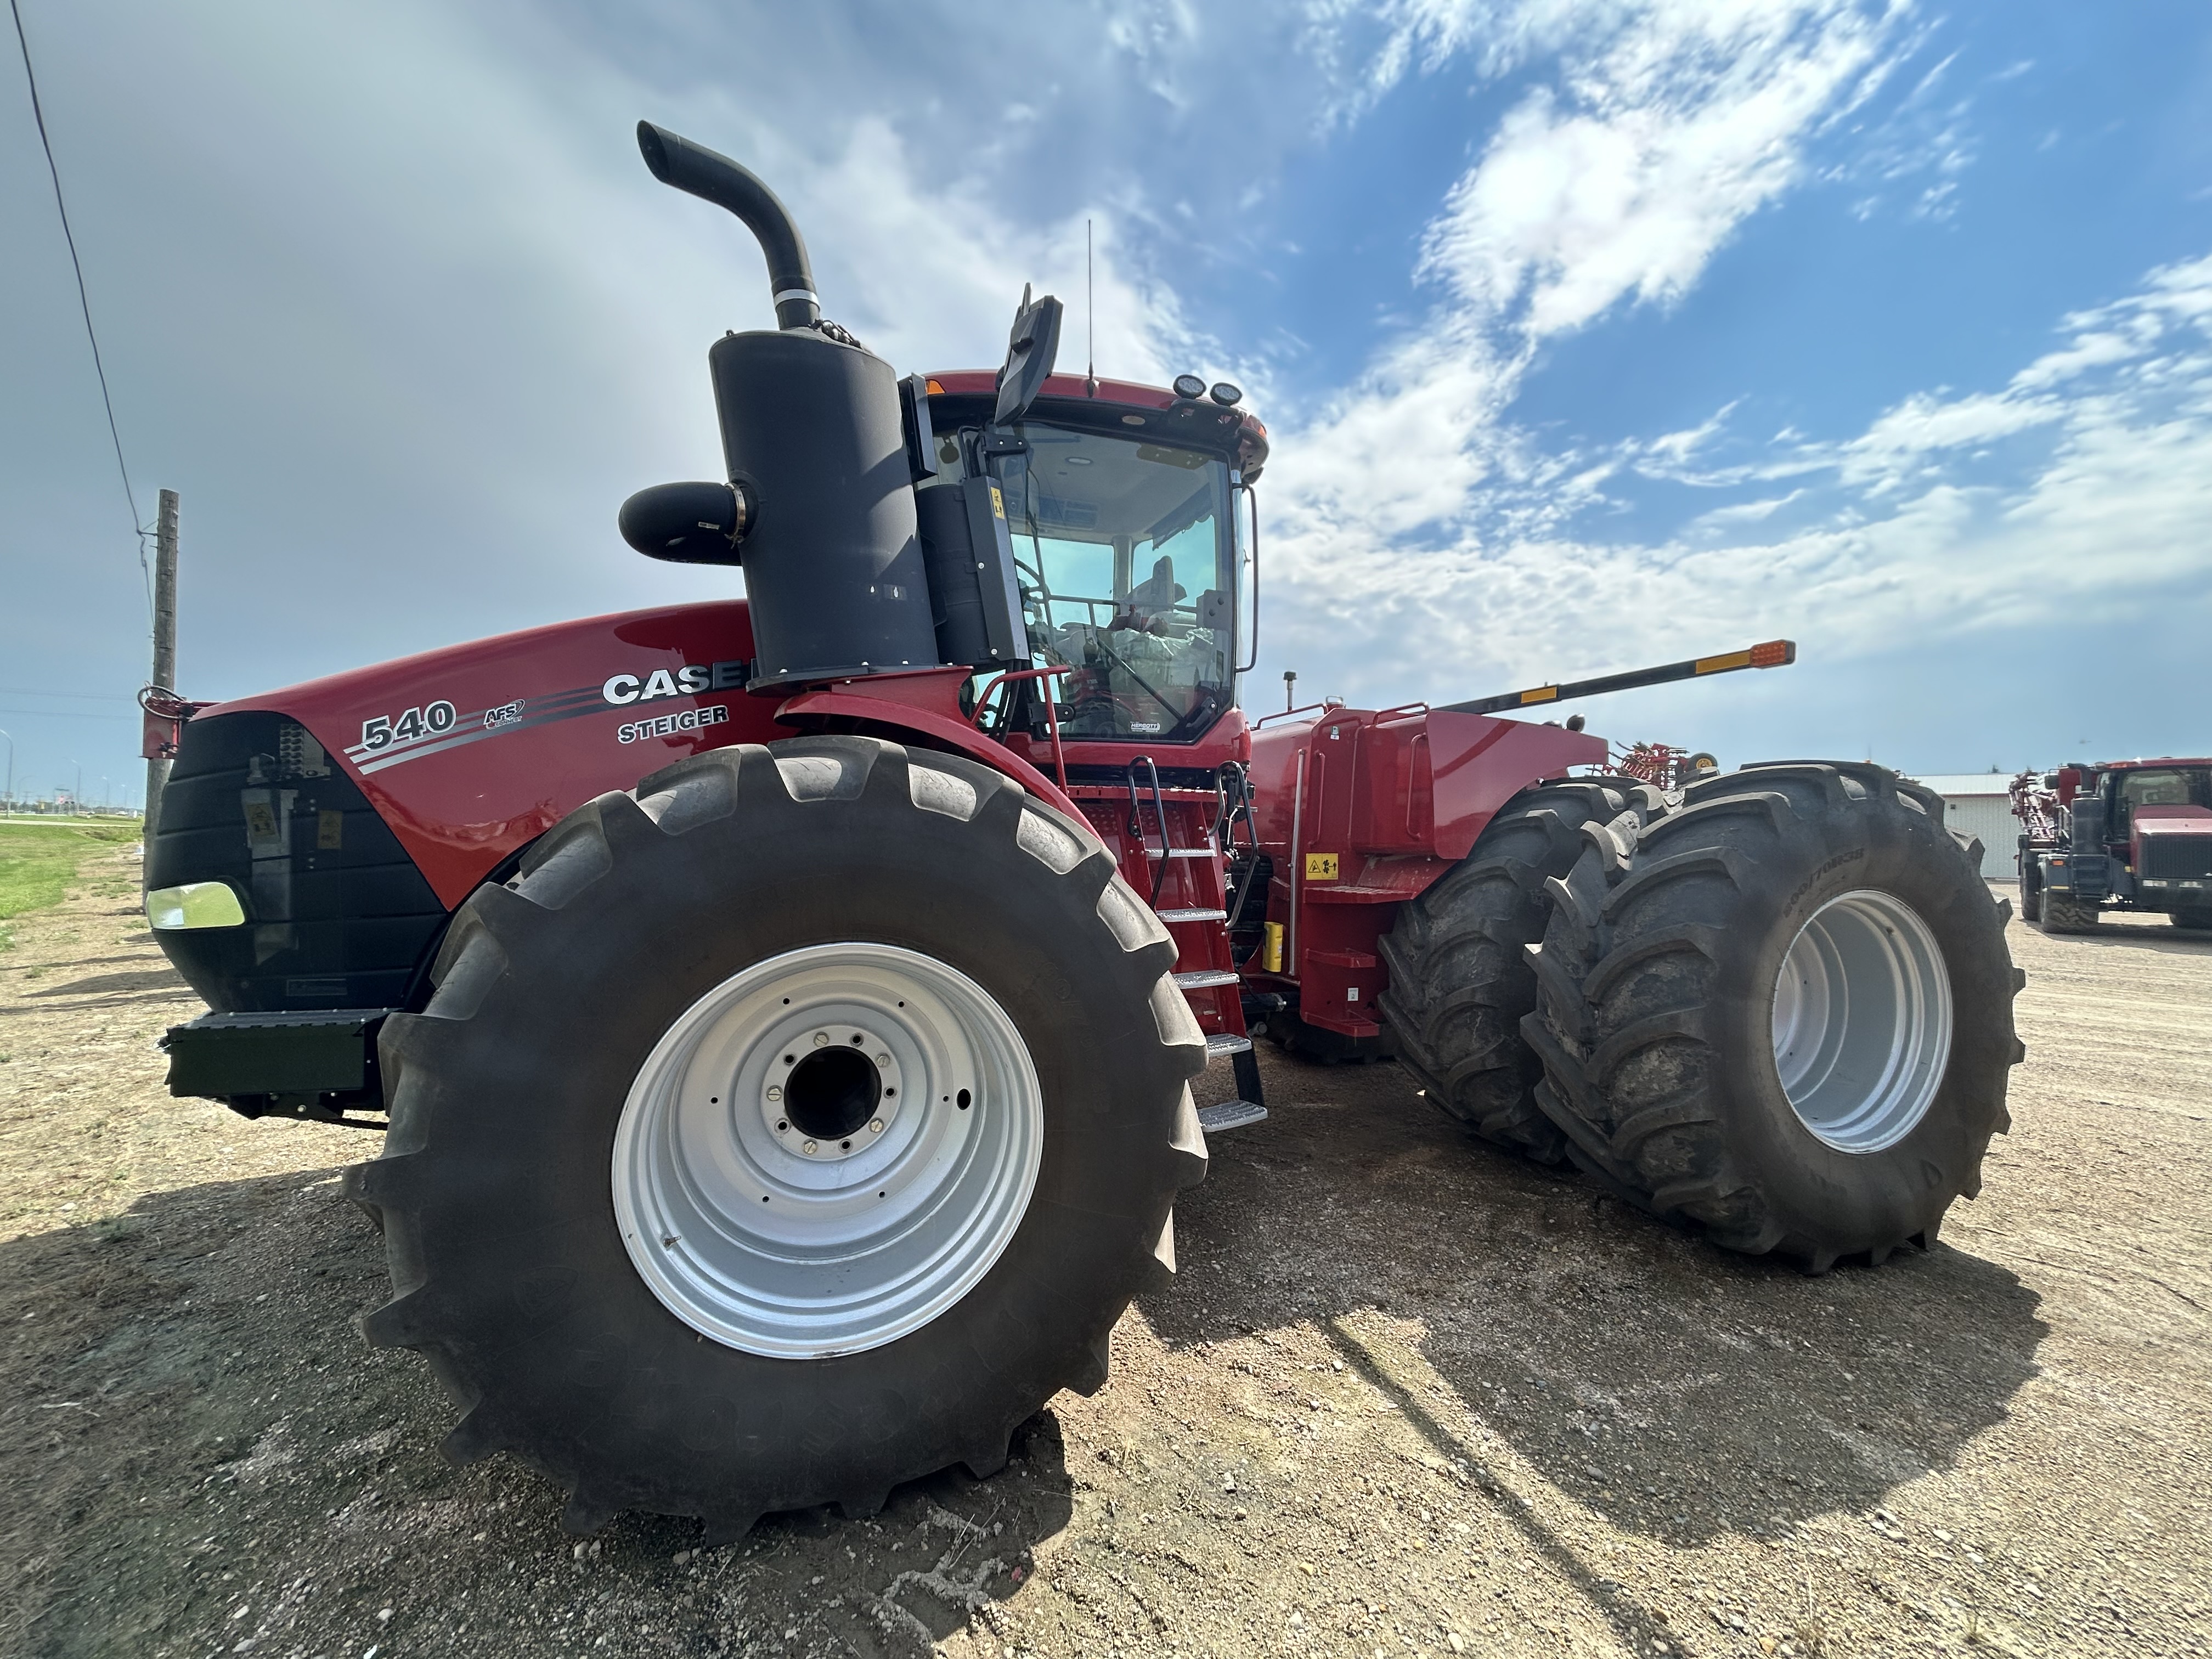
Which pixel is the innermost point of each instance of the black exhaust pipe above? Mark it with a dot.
(820, 505)
(702, 172)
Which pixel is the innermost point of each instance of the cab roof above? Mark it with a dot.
(1118, 403)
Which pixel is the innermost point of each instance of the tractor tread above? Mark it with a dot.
(447, 1190)
(1460, 979)
(1645, 970)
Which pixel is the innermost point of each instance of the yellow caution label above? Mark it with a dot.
(1722, 663)
(329, 831)
(1321, 866)
(998, 503)
(1541, 694)
(1270, 951)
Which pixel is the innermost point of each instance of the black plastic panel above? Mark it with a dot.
(337, 915)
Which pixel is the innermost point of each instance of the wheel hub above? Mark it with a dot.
(1863, 1021)
(827, 1150)
(836, 1093)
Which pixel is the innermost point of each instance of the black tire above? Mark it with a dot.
(1459, 980)
(2192, 919)
(2030, 893)
(2061, 914)
(509, 1275)
(1659, 974)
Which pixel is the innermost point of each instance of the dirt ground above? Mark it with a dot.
(1405, 1397)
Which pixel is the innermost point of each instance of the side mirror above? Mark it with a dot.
(688, 523)
(1031, 349)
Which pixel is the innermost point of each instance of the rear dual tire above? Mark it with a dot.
(1781, 1014)
(1460, 982)
(587, 1131)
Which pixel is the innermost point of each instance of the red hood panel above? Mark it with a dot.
(471, 752)
(2174, 821)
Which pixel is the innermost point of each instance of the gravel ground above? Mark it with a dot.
(1405, 1397)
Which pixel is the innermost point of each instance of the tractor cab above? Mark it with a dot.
(1128, 512)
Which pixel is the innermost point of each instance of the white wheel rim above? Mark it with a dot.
(1863, 1021)
(763, 1214)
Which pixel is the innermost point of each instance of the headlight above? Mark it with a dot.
(195, 904)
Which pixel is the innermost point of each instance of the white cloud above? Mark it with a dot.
(1899, 552)
(1615, 181)
(1623, 182)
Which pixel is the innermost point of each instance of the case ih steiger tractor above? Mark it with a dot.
(2128, 835)
(786, 1008)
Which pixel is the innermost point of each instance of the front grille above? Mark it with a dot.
(337, 915)
(2176, 858)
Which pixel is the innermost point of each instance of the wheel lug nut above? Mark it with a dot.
(809, 1147)
(822, 1039)
(876, 1126)
(883, 1059)
(774, 1093)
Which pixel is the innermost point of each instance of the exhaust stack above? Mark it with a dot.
(819, 507)
(694, 168)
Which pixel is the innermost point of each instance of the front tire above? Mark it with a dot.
(655, 1242)
(1782, 1013)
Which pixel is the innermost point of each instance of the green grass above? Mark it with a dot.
(38, 861)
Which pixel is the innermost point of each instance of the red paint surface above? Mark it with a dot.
(459, 810)
(859, 705)
(1398, 797)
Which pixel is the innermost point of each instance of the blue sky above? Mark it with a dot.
(1590, 336)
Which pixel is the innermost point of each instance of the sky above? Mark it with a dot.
(1589, 336)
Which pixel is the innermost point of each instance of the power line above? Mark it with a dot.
(39, 114)
(73, 696)
(65, 713)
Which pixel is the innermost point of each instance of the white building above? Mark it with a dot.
(1980, 803)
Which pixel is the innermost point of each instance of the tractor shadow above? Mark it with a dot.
(183, 1384)
(1678, 1390)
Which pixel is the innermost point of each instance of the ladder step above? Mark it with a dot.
(1230, 1115)
(1217, 1046)
(1191, 916)
(1205, 979)
(1182, 852)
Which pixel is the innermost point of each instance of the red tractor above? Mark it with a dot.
(786, 1008)
(2125, 835)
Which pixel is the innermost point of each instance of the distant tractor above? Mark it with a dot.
(2123, 836)
(785, 1009)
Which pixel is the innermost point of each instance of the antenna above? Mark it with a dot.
(1090, 319)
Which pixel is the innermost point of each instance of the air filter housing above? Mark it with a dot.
(833, 569)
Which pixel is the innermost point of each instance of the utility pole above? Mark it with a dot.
(165, 636)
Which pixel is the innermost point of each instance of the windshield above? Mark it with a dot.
(2161, 788)
(1127, 552)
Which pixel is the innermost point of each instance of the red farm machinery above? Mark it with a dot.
(782, 1011)
(2132, 834)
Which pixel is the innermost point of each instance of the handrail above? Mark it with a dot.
(1252, 500)
(1051, 710)
(1302, 709)
(1137, 822)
